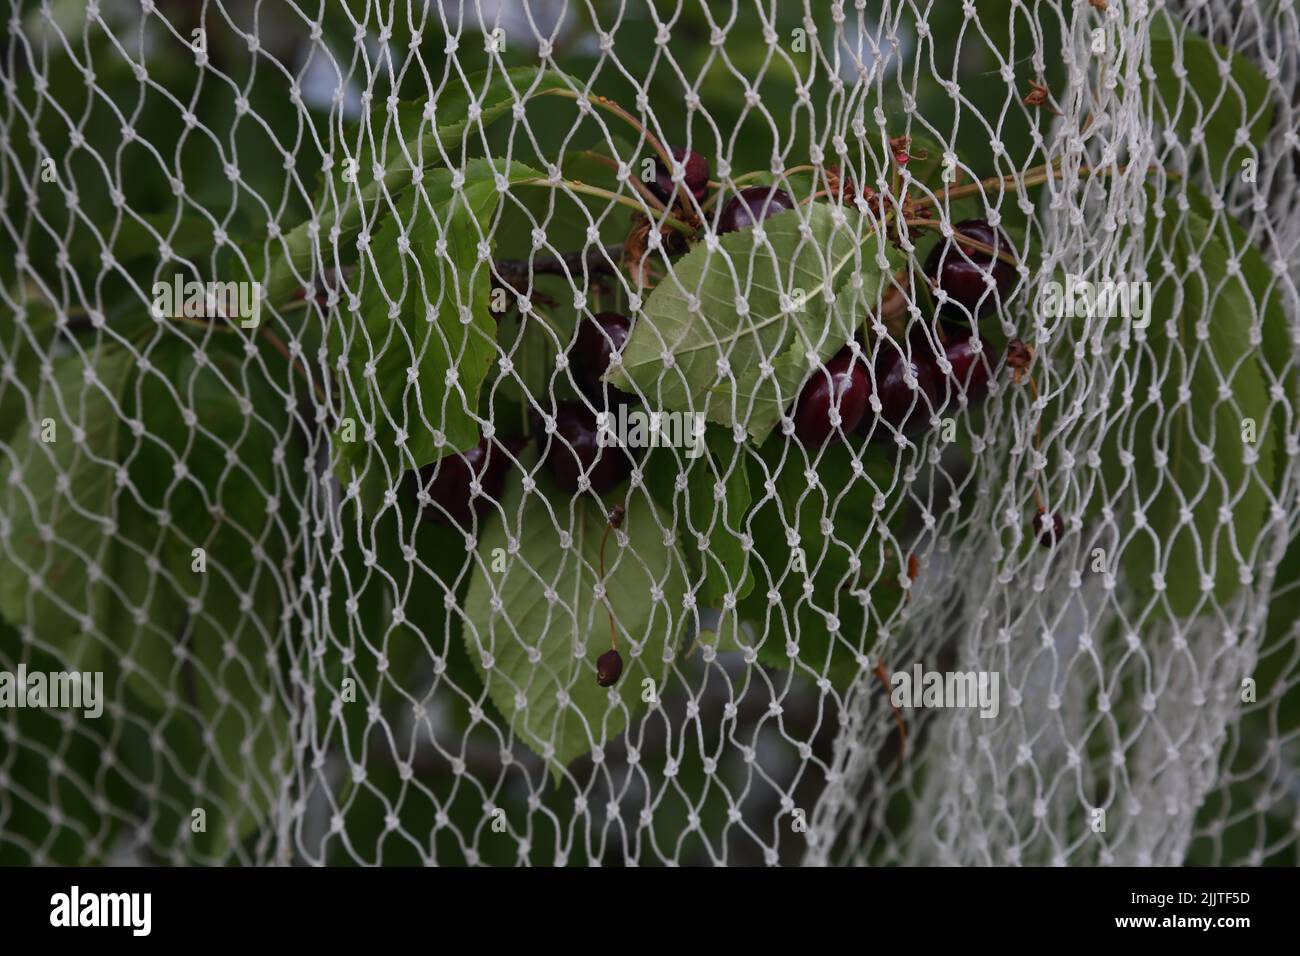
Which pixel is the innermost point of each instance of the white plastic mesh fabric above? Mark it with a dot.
(310, 656)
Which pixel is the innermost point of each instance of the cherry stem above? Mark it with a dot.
(613, 633)
(785, 174)
(265, 332)
(578, 187)
(215, 326)
(611, 107)
(631, 180)
(965, 241)
(737, 180)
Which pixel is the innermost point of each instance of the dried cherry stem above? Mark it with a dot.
(610, 106)
(883, 676)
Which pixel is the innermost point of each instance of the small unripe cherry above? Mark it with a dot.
(842, 385)
(609, 667)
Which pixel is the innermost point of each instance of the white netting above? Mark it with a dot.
(404, 218)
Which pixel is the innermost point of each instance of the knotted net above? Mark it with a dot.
(297, 450)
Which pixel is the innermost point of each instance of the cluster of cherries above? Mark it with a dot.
(842, 392)
(834, 402)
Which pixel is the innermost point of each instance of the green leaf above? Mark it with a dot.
(565, 636)
(212, 456)
(728, 634)
(426, 338)
(416, 143)
(1201, 102)
(26, 339)
(1264, 292)
(58, 508)
(772, 331)
(565, 218)
(49, 765)
(834, 626)
(204, 669)
(715, 498)
(1193, 385)
(395, 561)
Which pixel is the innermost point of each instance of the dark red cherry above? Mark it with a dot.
(575, 450)
(960, 271)
(842, 385)
(609, 667)
(906, 408)
(1049, 529)
(970, 368)
(598, 339)
(448, 479)
(752, 205)
(696, 179)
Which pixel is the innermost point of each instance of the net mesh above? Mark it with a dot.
(296, 312)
